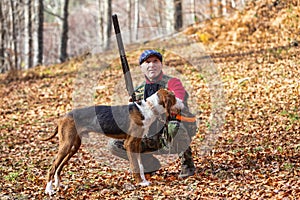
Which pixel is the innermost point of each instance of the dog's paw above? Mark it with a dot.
(49, 189)
(129, 186)
(144, 183)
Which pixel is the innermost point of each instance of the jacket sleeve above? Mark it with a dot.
(176, 86)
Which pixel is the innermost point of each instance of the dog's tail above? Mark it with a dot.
(51, 136)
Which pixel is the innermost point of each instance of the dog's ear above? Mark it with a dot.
(167, 100)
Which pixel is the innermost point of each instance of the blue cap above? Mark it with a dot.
(147, 53)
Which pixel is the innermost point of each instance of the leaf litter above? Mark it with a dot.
(256, 157)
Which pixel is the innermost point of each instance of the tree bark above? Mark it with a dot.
(190, 16)
(136, 19)
(178, 14)
(28, 34)
(108, 20)
(101, 22)
(14, 36)
(2, 32)
(40, 33)
(105, 12)
(129, 4)
(223, 4)
(170, 17)
(214, 8)
(64, 37)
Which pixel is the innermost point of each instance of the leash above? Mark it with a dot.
(185, 119)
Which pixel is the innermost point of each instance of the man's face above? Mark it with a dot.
(151, 67)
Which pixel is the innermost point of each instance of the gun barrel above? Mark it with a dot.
(124, 62)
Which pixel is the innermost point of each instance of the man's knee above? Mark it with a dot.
(177, 139)
(182, 141)
(116, 147)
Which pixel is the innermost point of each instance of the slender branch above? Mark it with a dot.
(53, 14)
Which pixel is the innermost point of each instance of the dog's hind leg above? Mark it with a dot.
(73, 150)
(62, 153)
(66, 142)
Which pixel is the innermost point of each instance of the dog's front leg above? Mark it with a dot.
(132, 148)
(144, 182)
(49, 189)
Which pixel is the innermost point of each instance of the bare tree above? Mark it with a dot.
(173, 15)
(223, 4)
(64, 36)
(178, 14)
(158, 16)
(190, 13)
(38, 33)
(105, 21)
(28, 35)
(136, 20)
(101, 22)
(129, 5)
(169, 12)
(33, 34)
(23, 25)
(2, 38)
(14, 43)
(214, 8)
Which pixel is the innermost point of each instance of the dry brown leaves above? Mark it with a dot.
(256, 157)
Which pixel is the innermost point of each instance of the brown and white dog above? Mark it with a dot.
(130, 122)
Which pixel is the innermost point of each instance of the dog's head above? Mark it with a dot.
(168, 100)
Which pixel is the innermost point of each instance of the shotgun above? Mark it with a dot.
(125, 66)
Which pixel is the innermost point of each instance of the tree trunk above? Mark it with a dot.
(190, 16)
(108, 20)
(158, 16)
(233, 4)
(39, 33)
(223, 7)
(129, 4)
(14, 51)
(2, 39)
(64, 37)
(136, 19)
(170, 17)
(214, 8)
(101, 22)
(178, 14)
(105, 12)
(28, 34)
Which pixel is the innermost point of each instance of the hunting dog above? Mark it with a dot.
(130, 122)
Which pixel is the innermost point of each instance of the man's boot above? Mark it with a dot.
(187, 164)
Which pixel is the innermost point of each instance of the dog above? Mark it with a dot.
(130, 122)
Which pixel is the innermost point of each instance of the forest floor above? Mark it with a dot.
(254, 54)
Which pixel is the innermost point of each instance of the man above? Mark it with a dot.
(161, 140)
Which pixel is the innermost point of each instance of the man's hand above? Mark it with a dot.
(130, 100)
(175, 111)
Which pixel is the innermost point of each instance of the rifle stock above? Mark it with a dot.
(124, 62)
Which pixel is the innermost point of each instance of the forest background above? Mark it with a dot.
(37, 32)
(240, 65)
